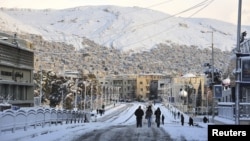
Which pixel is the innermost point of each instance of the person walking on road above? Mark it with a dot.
(205, 120)
(191, 121)
(158, 117)
(162, 119)
(148, 116)
(182, 119)
(139, 114)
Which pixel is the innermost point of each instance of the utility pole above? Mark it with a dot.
(41, 87)
(62, 99)
(237, 87)
(76, 82)
(212, 73)
(91, 97)
(213, 99)
(85, 91)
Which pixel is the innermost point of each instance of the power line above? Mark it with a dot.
(153, 22)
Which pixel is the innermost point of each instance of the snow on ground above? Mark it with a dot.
(67, 132)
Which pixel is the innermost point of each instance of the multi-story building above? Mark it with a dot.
(233, 97)
(125, 83)
(188, 93)
(134, 87)
(16, 71)
(164, 89)
(147, 85)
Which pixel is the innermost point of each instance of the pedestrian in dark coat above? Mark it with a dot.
(139, 114)
(162, 119)
(205, 120)
(148, 116)
(191, 121)
(182, 119)
(158, 116)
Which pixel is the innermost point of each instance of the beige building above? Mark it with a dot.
(131, 86)
(145, 83)
(16, 71)
(187, 93)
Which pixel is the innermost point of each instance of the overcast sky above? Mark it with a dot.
(225, 10)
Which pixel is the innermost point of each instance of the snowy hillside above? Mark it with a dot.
(122, 28)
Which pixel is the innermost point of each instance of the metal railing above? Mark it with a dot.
(25, 118)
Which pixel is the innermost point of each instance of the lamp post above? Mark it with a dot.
(190, 92)
(207, 103)
(106, 94)
(85, 93)
(75, 107)
(112, 94)
(91, 97)
(62, 99)
(213, 99)
(117, 94)
(238, 67)
(118, 97)
(41, 86)
(102, 94)
(109, 94)
(81, 100)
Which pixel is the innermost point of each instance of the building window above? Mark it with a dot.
(128, 88)
(5, 73)
(141, 82)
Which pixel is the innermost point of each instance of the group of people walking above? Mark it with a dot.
(139, 113)
(159, 117)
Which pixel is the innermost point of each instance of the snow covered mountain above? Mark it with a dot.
(124, 28)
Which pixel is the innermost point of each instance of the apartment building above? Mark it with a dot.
(126, 83)
(16, 71)
(133, 86)
(193, 86)
(165, 89)
(147, 85)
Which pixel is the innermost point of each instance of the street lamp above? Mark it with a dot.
(190, 92)
(62, 99)
(207, 103)
(75, 107)
(85, 93)
(212, 46)
(106, 95)
(238, 66)
(118, 96)
(41, 85)
(91, 97)
(102, 94)
(213, 99)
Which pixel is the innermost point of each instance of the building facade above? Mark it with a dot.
(147, 86)
(16, 71)
(188, 93)
(227, 103)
